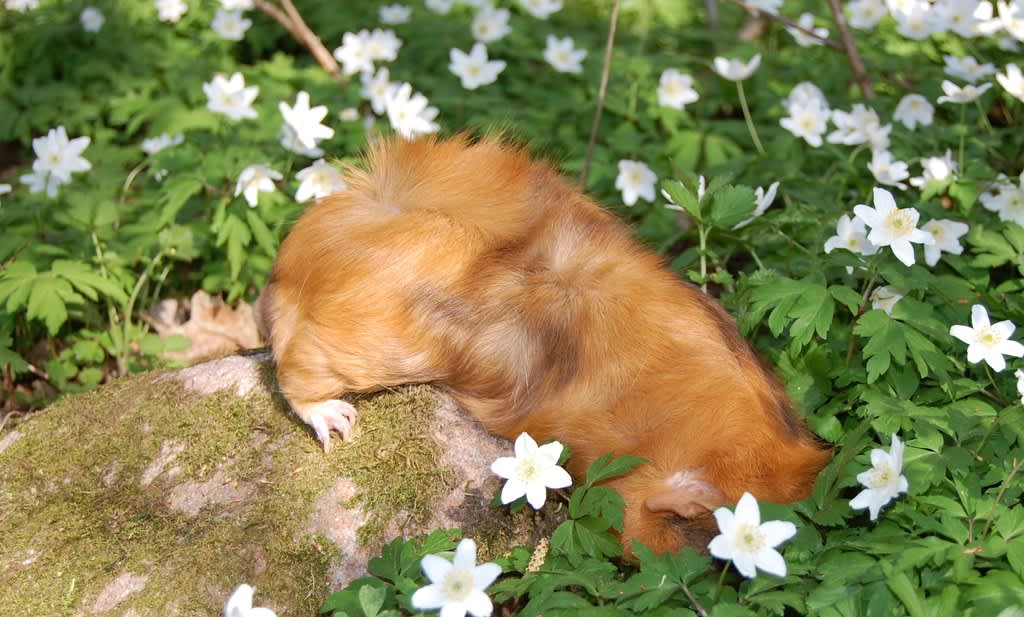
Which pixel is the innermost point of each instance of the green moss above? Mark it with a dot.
(394, 461)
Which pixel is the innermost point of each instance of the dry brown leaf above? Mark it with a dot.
(213, 327)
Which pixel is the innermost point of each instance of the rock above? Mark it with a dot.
(160, 493)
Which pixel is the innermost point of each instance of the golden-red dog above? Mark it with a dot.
(473, 267)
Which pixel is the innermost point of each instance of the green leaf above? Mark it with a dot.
(907, 592)
(682, 197)
(731, 205)
(606, 467)
(806, 307)
(846, 296)
(371, 599)
(261, 232)
(885, 342)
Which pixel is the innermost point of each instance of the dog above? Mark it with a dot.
(469, 265)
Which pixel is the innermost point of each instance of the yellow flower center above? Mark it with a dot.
(989, 337)
(881, 476)
(527, 470)
(750, 537)
(900, 221)
(457, 584)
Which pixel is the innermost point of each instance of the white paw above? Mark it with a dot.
(330, 415)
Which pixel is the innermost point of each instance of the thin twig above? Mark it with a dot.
(790, 24)
(292, 21)
(856, 62)
(693, 600)
(602, 90)
(711, 6)
(999, 497)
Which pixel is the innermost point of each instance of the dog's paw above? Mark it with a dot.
(330, 415)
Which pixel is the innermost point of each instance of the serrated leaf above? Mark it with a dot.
(261, 232)
(846, 296)
(731, 205)
(682, 197)
(606, 467)
(885, 342)
(804, 306)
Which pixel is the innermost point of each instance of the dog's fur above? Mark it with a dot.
(473, 267)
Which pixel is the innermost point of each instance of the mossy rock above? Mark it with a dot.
(160, 493)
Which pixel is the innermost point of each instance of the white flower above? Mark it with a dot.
(351, 114)
(865, 14)
(305, 120)
(236, 5)
(531, 472)
(805, 93)
(886, 297)
(935, 168)
(409, 113)
(968, 18)
(956, 94)
(92, 19)
(230, 25)
(748, 542)
(171, 10)
(5, 188)
(290, 142)
(1019, 374)
(353, 53)
(987, 341)
(158, 143)
(457, 587)
(490, 24)
(382, 45)
(38, 181)
(888, 171)
(240, 604)
(884, 481)
(1006, 200)
(891, 226)
(255, 179)
(376, 87)
(58, 156)
(854, 127)
(318, 180)
(675, 89)
(394, 14)
(806, 21)
(541, 9)
(1011, 14)
(947, 235)
(474, 69)
(563, 56)
(635, 180)
(736, 70)
(851, 234)
(768, 6)
(807, 120)
(1012, 81)
(915, 20)
(440, 7)
(967, 68)
(230, 96)
(21, 5)
(762, 199)
(914, 109)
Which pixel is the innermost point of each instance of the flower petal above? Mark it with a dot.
(870, 216)
(537, 494)
(478, 604)
(485, 574)
(556, 477)
(514, 489)
(720, 547)
(435, 567)
(979, 317)
(746, 563)
(525, 446)
(551, 451)
(883, 200)
(453, 609)
(771, 561)
(465, 555)
(777, 532)
(963, 333)
(505, 466)
(428, 598)
(747, 511)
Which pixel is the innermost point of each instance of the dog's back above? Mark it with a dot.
(471, 266)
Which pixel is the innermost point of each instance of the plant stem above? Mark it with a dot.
(721, 581)
(984, 116)
(963, 137)
(749, 120)
(999, 496)
(995, 386)
(852, 55)
(129, 308)
(703, 612)
(860, 311)
(702, 235)
(601, 92)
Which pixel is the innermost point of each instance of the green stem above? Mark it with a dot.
(995, 386)
(721, 581)
(984, 116)
(702, 234)
(129, 308)
(749, 120)
(963, 137)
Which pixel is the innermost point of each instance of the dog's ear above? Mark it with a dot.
(688, 498)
